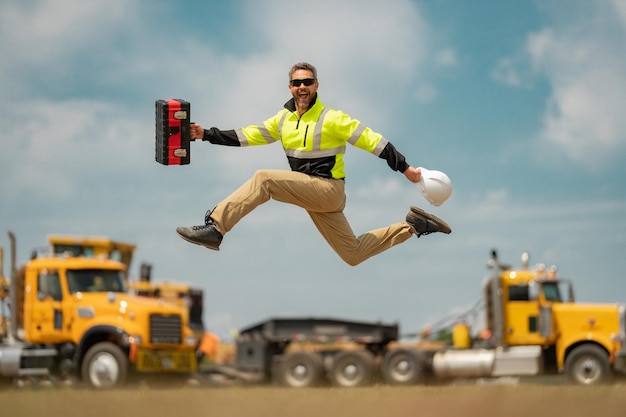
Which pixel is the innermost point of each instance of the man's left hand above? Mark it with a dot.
(413, 174)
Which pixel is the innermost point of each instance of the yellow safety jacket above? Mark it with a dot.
(314, 143)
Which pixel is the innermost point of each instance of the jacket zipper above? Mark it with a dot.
(305, 132)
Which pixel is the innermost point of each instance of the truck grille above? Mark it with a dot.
(165, 330)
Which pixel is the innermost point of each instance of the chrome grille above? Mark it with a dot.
(165, 330)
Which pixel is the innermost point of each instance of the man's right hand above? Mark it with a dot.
(196, 131)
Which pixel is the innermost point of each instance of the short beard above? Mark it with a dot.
(308, 104)
(302, 106)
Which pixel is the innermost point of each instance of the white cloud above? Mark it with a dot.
(585, 114)
(52, 134)
(46, 35)
(584, 118)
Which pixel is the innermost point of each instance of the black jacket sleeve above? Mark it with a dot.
(221, 137)
(395, 159)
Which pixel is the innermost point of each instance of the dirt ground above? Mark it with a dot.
(377, 401)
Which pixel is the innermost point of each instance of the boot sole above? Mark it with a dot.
(217, 248)
(442, 226)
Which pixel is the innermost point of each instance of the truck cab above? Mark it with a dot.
(519, 304)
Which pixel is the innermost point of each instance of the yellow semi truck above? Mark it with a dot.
(533, 327)
(187, 297)
(71, 317)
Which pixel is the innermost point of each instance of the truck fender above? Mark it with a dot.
(97, 334)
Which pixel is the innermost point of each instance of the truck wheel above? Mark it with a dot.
(352, 368)
(300, 369)
(104, 366)
(403, 367)
(588, 365)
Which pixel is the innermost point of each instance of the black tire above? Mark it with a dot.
(588, 365)
(353, 368)
(300, 370)
(403, 367)
(104, 366)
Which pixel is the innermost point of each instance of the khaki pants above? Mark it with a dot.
(324, 200)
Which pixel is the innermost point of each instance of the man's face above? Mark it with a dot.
(303, 94)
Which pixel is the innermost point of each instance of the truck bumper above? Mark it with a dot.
(166, 360)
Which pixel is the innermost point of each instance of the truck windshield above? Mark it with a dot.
(94, 280)
(551, 291)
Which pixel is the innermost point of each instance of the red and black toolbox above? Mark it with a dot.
(172, 132)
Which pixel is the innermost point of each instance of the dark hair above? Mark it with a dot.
(303, 66)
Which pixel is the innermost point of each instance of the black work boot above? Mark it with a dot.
(424, 223)
(206, 235)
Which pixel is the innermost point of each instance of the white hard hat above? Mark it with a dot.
(435, 186)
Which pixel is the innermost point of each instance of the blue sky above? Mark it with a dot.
(521, 103)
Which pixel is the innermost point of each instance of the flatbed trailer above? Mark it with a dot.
(340, 352)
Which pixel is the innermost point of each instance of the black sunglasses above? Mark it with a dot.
(306, 81)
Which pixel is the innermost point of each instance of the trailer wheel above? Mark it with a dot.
(104, 366)
(403, 367)
(588, 365)
(300, 369)
(352, 368)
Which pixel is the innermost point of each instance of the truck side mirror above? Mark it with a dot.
(570, 294)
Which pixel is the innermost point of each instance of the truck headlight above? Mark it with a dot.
(191, 340)
(135, 339)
